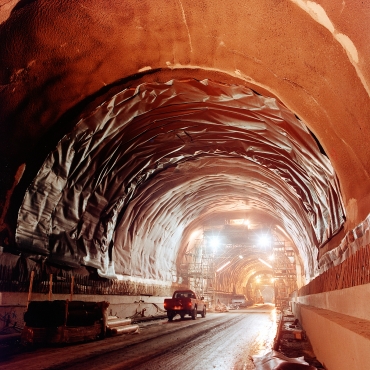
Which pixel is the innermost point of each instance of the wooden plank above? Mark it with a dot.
(30, 288)
(72, 286)
(50, 286)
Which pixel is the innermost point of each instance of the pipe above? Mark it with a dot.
(72, 284)
(118, 322)
(125, 329)
(50, 286)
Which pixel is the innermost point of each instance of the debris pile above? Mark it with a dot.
(291, 342)
(277, 361)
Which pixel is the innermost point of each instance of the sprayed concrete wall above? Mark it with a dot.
(340, 342)
(338, 326)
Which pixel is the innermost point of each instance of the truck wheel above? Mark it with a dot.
(170, 315)
(204, 312)
(194, 314)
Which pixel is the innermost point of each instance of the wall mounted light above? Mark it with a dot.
(264, 262)
(223, 266)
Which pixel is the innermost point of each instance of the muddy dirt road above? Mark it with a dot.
(218, 341)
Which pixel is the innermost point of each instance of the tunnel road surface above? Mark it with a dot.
(218, 341)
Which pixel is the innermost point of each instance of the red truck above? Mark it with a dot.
(184, 302)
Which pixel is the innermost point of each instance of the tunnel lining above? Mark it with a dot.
(143, 131)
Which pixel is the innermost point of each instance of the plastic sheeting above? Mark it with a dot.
(277, 361)
(123, 187)
(214, 187)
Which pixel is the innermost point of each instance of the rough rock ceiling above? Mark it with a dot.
(126, 182)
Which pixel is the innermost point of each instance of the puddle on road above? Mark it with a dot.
(265, 340)
(260, 346)
(227, 346)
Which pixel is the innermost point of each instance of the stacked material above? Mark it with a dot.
(61, 321)
(45, 314)
(118, 326)
(59, 312)
(82, 313)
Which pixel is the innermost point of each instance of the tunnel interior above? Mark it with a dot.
(127, 188)
(121, 158)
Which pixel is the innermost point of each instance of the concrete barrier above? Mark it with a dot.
(340, 342)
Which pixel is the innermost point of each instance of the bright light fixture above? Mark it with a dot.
(271, 257)
(223, 266)
(264, 240)
(264, 262)
(240, 256)
(215, 241)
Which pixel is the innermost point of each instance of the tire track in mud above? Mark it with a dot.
(205, 343)
(68, 356)
(226, 346)
(134, 354)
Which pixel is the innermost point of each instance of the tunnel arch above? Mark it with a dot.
(252, 286)
(62, 63)
(60, 71)
(274, 51)
(209, 145)
(239, 275)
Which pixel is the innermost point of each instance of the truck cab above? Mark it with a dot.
(185, 302)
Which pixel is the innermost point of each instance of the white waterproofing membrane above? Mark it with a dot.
(277, 361)
(121, 190)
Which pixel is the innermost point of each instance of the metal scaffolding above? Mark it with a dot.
(285, 273)
(198, 269)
